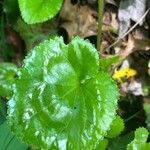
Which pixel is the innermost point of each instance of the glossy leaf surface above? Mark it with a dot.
(7, 74)
(35, 11)
(61, 99)
(139, 142)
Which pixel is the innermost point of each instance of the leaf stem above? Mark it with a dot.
(134, 115)
(100, 23)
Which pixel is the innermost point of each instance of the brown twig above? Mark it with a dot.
(131, 29)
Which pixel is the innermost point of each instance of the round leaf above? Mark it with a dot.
(35, 11)
(116, 128)
(61, 100)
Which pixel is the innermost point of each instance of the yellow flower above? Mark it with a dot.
(124, 73)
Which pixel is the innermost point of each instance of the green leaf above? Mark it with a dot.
(146, 146)
(35, 33)
(6, 49)
(11, 10)
(102, 145)
(116, 128)
(3, 110)
(147, 112)
(61, 100)
(8, 141)
(105, 63)
(7, 74)
(139, 142)
(120, 142)
(36, 11)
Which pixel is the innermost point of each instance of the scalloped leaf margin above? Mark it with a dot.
(36, 11)
(139, 142)
(61, 100)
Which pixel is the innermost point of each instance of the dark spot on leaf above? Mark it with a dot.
(74, 107)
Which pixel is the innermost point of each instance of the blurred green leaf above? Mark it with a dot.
(116, 128)
(7, 74)
(105, 63)
(11, 10)
(139, 142)
(146, 107)
(3, 110)
(34, 34)
(102, 145)
(120, 143)
(35, 11)
(8, 141)
(6, 50)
